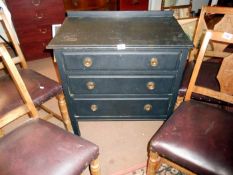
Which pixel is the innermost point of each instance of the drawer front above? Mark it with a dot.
(33, 4)
(121, 107)
(55, 15)
(120, 84)
(116, 62)
(38, 33)
(38, 17)
(34, 50)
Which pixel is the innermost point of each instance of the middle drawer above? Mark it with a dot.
(149, 84)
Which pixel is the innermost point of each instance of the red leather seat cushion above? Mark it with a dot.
(207, 77)
(41, 148)
(198, 137)
(40, 87)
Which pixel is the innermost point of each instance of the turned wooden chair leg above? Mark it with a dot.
(153, 163)
(179, 100)
(95, 167)
(64, 112)
(1, 133)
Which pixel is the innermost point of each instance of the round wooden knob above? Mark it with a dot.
(154, 62)
(75, 2)
(135, 2)
(151, 85)
(148, 107)
(43, 30)
(94, 107)
(90, 85)
(87, 62)
(39, 15)
(36, 2)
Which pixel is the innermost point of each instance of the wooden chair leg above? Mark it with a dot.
(95, 167)
(179, 100)
(64, 112)
(1, 133)
(153, 163)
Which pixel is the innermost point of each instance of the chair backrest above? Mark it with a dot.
(19, 58)
(28, 106)
(181, 11)
(225, 24)
(223, 95)
(225, 75)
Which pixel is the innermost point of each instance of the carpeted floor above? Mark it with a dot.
(163, 170)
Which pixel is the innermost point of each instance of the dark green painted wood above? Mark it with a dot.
(119, 61)
(124, 107)
(89, 30)
(121, 84)
(120, 74)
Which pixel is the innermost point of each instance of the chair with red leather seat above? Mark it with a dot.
(40, 87)
(197, 138)
(39, 147)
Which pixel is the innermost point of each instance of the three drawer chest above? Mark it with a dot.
(120, 65)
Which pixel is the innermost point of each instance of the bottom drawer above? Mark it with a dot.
(123, 108)
(35, 50)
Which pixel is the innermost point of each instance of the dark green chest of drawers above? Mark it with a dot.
(120, 65)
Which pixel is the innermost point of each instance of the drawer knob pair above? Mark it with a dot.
(148, 107)
(90, 85)
(94, 107)
(151, 85)
(87, 62)
(154, 62)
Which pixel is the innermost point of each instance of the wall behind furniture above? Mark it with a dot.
(2, 31)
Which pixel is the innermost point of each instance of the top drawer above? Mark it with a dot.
(121, 61)
(30, 4)
(31, 12)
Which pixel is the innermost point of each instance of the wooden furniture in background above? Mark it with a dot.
(33, 21)
(102, 50)
(127, 5)
(112, 5)
(89, 5)
(40, 88)
(197, 136)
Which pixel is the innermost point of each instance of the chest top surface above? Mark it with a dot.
(146, 29)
